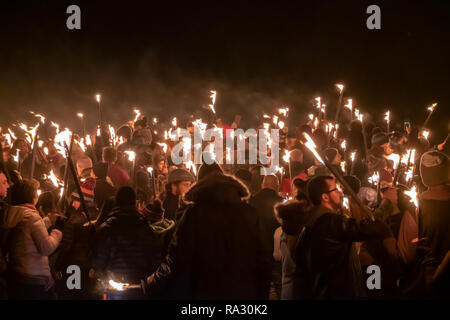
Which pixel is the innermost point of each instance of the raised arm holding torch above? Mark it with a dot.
(312, 147)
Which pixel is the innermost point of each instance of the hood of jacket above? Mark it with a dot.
(293, 215)
(14, 215)
(217, 188)
(162, 226)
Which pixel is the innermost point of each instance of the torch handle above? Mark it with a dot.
(77, 185)
(349, 189)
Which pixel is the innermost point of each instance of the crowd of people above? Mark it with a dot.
(149, 229)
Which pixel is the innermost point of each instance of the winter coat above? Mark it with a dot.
(434, 226)
(264, 202)
(163, 230)
(170, 205)
(118, 175)
(126, 249)
(327, 264)
(29, 242)
(103, 190)
(217, 250)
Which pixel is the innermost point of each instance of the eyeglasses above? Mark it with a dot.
(329, 191)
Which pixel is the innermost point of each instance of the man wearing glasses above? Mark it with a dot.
(328, 266)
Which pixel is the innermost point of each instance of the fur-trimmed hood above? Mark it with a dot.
(293, 214)
(217, 188)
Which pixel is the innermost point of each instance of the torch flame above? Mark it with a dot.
(431, 108)
(287, 156)
(344, 145)
(312, 147)
(164, 146)
(138, 114)
(117, 285)
(80, 115)
(387, 116)
(16, 157)
(189, 165)
(352, 156)
(98, 97)
(88, 140)
(343, 166)
(283, 111)
(374, 178)
(345, 203)
(275, 120)
(213, 97)
(340, 87)
(12, 134)
(319, 104)
(349, 104)
(131, 155)
(425, 134)
(395, 158)
(56, 126)
(412, 194)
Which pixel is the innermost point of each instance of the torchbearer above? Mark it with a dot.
(310, 144)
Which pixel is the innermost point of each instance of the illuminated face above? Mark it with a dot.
(333, 197)
(181, 188)
(3, 185)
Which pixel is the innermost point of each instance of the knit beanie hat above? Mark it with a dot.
(180, 175)
(434, 168)
(330, 154)
(380, 139)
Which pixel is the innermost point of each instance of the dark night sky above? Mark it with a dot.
(165, 56)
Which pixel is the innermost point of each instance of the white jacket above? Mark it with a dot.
(29, 242)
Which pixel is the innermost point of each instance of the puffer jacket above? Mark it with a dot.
(127, 249)
(29, 242)
(217, 250)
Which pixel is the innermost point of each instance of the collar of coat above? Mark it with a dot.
(217, 187)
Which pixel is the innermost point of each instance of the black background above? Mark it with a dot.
(165, 56)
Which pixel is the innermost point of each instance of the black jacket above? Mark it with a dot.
(264, 202)
(103, 190)
(217, 251)
(327, 264)
(170, 205)
(126, 249)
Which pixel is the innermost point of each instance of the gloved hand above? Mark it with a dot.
(145, 284)
(59, 224)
